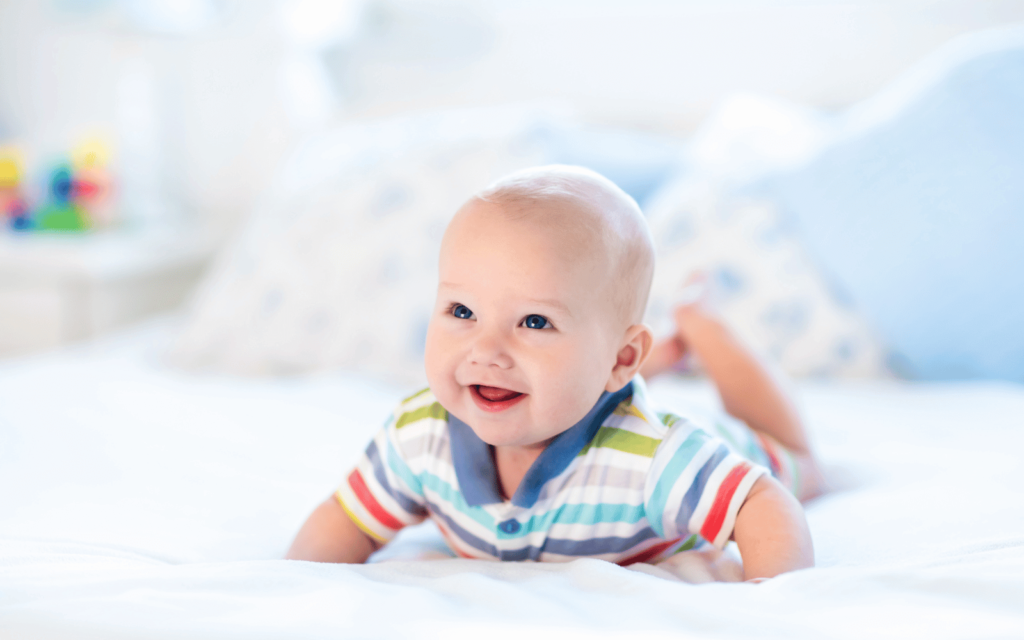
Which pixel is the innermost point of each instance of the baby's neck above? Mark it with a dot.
(511, 464)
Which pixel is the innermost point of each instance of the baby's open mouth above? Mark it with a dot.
(495, 399)
(496, 394)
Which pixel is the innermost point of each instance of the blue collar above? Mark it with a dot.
(474, 464)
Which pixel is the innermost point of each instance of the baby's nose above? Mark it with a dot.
(491, 349)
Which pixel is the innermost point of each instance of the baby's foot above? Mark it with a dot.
(670, 353)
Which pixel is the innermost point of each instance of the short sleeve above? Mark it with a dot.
(381, 494)
(696, 484)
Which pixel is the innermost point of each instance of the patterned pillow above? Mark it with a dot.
(338, 267)
(762, 283)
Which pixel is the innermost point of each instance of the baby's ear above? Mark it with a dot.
(635, 348)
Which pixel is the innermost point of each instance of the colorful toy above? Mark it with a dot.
(12, 204)
(77, 193)
(92, 183)
(61, 212)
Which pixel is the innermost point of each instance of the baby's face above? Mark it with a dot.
(522, 340)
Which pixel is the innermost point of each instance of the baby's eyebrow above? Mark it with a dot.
(548, 302)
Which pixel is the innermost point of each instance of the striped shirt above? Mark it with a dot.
(625, 484)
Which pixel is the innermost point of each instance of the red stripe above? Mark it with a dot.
(720, 507)
(647, 554)
(355, 480)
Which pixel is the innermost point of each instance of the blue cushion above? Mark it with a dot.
(916, 211)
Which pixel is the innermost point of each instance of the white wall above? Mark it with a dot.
(202, 117)
(650, 63)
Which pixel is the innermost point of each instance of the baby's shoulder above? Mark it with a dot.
(665, 428)
(634, 426)
(417, 413)
(639, 414)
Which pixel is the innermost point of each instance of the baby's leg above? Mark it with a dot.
(748, 388)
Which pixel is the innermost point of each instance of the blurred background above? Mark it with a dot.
(139, 135)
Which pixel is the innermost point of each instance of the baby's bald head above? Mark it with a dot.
(595, 221)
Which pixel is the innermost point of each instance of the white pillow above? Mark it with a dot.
(338, 267)
(764, 285)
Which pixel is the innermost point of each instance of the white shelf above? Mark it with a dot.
(56, 289)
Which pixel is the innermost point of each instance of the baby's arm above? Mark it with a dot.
(771, 532)
(329, 535)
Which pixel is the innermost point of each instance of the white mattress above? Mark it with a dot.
(139, 502)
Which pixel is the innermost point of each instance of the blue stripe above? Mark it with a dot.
(589, 547)
(696, 489)
(569, 514)
(681, 459)
(463, 535)
(410, 506)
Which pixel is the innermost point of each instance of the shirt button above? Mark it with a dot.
(510, 526)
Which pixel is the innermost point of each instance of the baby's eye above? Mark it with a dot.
(534, 321)
(461, 311)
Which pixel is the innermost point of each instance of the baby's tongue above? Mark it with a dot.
(496, 394)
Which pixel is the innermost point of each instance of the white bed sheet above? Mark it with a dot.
(138, 502)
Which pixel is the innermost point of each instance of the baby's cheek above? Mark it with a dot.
(435, 364)
(572, 397)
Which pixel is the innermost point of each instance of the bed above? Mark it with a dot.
(139, 502)
(151, 482)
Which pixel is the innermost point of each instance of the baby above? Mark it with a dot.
(535, 439)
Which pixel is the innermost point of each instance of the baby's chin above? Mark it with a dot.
(502, 434)
(505, 440)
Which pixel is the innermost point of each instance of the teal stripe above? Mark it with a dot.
(680, 460)
(444, 490)
(454, 497)
(402, 470)
(569, 514)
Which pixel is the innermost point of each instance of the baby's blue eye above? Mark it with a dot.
(462, 311)
(534, 321)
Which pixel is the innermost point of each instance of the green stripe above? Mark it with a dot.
(668, 419)
(622, 440)
(430, 411)
(690, 542)
(416, 395)
(680, 460)
(623, 408)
